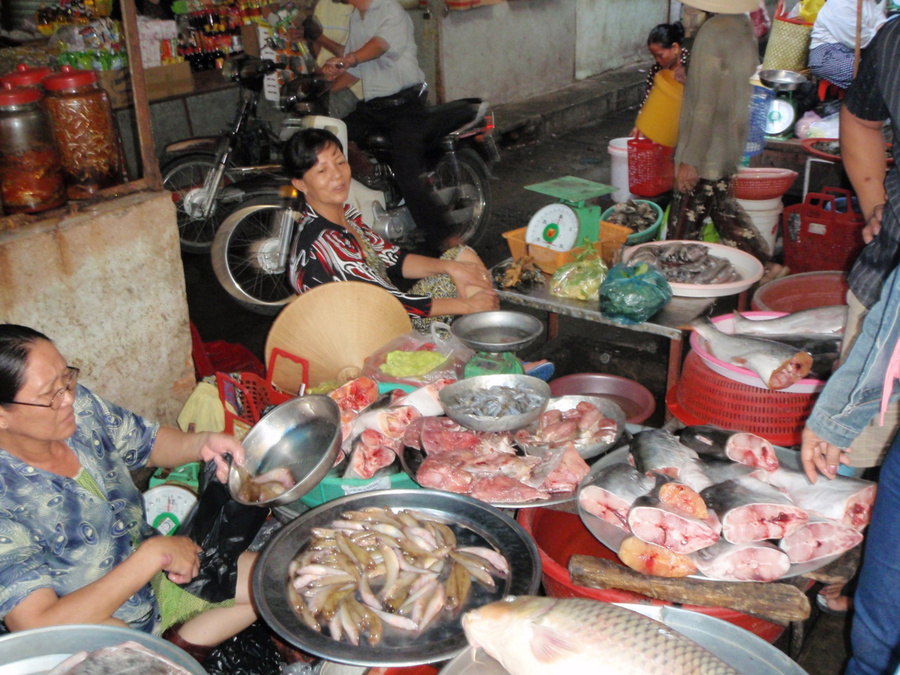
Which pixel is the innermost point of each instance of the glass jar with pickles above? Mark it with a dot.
(86, 132)
(30, 175)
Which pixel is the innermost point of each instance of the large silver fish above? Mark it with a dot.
(611, 493)
(738, 446)
(778, 366)
(829, 320)
(658, 451)
(553, 636)
(751, 510)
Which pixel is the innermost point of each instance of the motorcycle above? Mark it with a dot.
(251, 249)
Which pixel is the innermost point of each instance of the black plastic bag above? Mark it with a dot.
(224, 529)
(250, 652)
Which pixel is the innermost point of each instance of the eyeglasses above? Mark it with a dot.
(56, 400)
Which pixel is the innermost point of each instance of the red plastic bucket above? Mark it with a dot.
(801, 291)
(561, 535)
(651, 168)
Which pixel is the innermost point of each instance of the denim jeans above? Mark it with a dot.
(875, 632)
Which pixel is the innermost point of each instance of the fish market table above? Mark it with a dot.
(666, 323)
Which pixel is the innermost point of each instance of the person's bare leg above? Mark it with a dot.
(217, 625)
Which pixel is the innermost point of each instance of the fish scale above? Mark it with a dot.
(554, 636)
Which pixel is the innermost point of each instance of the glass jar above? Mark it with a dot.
(30, 176)
(86, 131)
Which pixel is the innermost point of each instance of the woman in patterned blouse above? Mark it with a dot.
(75, 546)
(665, 43)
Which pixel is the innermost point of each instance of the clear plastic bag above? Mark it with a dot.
(632, 294)
(580, 279)
(403, 359)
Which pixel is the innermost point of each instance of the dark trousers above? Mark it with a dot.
(405, 122)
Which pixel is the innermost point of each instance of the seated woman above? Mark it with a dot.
(75, 546)
(333, 244)
(665, 43)
(833, 41)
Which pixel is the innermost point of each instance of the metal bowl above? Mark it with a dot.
(781, 80)
(302, 435)
(497, 331)
(450, 394)
(606, 407)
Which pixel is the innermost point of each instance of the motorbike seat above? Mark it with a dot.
(440, 120)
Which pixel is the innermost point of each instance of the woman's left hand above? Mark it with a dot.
(214, 446)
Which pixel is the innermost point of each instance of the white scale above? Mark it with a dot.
(562, 226)
(167, 506)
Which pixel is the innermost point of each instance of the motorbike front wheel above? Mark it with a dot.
(183, 177)
(470, 206)
(249, 255)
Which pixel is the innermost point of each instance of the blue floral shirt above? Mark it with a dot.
(56, 534)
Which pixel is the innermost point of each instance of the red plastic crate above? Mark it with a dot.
(817, 236)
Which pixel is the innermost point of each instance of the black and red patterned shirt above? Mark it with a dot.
(655, 68)
(323, 252)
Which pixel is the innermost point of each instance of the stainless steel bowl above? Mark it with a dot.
(781, 80)
(450, 395)
(497, 331)
(606, 407)
(302, 435)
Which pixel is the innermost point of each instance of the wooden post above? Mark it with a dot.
(152, 177)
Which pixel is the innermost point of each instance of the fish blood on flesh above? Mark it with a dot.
(569, 636)
(654, 560)
(658, 451)
(818, 539)
(657, 523)
(751, 510)
(127, 657)
(738, 446)
(778, 366)
(372, 452)
(754, 561)
(844, 499)
(828, 320)
(611, 493)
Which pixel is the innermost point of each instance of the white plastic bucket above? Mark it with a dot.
(618, 169)
(766, 215)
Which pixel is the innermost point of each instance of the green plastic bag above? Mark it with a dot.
(632, 294)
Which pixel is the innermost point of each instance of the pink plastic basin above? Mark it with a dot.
(632, 397)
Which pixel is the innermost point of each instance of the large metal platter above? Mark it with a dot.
(747, 653)
(497, 331)
(40, 650)
(475, 524)
(612, 537)
(606, 407)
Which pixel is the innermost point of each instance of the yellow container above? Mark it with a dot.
(549, 260)
(659, 117)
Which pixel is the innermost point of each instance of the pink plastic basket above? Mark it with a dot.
(651, 169)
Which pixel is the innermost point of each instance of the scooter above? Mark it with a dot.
(251, 249)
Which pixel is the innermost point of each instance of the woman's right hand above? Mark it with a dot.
(179, 557)
(482, 301)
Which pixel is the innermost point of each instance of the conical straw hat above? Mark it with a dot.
(335, 327)
(723, 6)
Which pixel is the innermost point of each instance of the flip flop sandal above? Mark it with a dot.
(822, 604)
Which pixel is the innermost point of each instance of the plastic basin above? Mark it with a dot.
(801, 291)
(644, 235)
(561, 535)
(635, 400)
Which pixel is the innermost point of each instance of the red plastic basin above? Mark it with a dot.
(561, 535)
(633, 398)
(801, 291)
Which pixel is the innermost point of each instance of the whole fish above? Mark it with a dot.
(753, 561)
(612, 491)
(846, 500)
(824, 349)
(658, 451)
(818, 539)
(778, 366)
(751, 510)
(817, 320)
(738, 446)
(554, 636)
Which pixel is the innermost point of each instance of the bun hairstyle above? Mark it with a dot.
(15, 345)
(666, 35)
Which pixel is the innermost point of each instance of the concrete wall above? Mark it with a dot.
(107, 286)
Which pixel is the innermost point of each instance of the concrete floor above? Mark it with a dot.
(581, 152)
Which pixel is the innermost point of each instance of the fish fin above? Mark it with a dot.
(739, 360)
(549, 645)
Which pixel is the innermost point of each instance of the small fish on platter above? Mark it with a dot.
(732, 511)
(376, 569)
(495, 401)
(687, 263)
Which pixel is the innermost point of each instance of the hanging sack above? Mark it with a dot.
(788, 46)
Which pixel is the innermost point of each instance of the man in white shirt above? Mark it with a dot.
(833, 41)
(334, 18)
(381, 52)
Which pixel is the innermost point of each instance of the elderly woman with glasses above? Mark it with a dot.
(74, 543)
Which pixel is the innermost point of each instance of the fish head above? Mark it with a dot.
(486, 625)
(793, 370)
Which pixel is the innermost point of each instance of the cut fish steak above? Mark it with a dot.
(738, 446)
(751, 510)
(819, 538)
(613, 490)
(754, 561)
(655, 560)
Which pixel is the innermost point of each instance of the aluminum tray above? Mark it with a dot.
(475, 524)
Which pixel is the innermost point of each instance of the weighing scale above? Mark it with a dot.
(562, 226)
(167, 506)
(782, 112)
(496, 336)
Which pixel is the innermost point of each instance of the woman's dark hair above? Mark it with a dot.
(303, 148)
(15, 343)
(666, 35)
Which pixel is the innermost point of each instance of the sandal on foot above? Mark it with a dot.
(822, 604)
